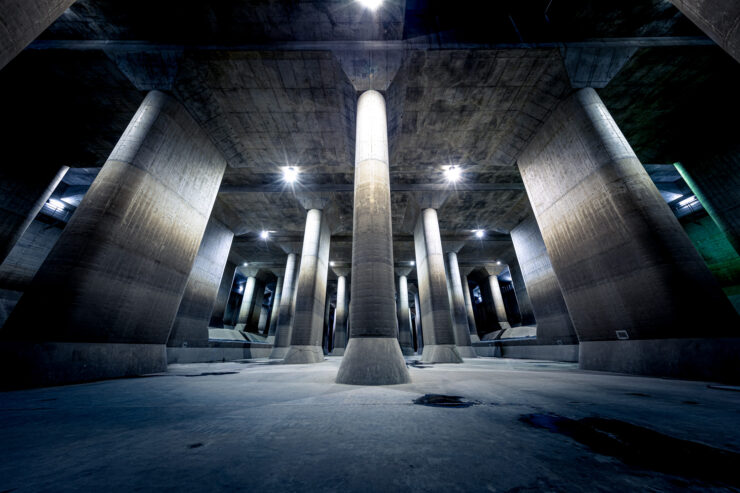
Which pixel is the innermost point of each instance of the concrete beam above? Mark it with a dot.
(719, 19)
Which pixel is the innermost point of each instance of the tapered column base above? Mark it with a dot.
(299, 355)
(440, 353)
(373, 361)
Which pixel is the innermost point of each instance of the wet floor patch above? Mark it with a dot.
(645, 448)
(418, 364)
(195, 445)
(440, 400)
(210, 373)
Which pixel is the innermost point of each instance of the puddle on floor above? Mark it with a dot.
(209, 373)
(645, 448)
(439, 400)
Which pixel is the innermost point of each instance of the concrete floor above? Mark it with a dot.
(258, 426)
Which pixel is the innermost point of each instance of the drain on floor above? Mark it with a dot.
(209, 373)
(645, 448)
(439, 400)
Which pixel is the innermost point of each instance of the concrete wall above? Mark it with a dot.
(191, 323)
(554, 325)
(719, 19)
(625, 266)
(118, 272)
(222, 298)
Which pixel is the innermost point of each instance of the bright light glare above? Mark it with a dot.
(412, 263)
(264, 235)
(371, 4)
(245, 264)
(332, 263)
(453, 173)
(680, 204)
(57, 204)
(498, 262)
(290, 175)
(479, 233)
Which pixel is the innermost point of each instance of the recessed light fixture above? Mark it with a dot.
(264, 235)
(290, 174)
(332, 263)
(453, 173)
(245, 264)
(479, 233)
(371, 4)
(412, 263)
(498, 262)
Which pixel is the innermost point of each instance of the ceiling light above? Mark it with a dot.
(264, 235)
(332, 264)
(290, 175)
(453, 173)
(245, 264)
(371, 4)
(479, 233)
(412, 263)
(498, 262)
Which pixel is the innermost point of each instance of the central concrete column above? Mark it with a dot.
(308, 321)
(417, 321)
(473, 330)
(275, 309)
(405, 338)
(246, 306)
(373, 356)
(498, 299)
(191, 323)
(459, 312)
(641, 298)
(285, 314)
(439, 336)
(340, 313)
(227, 281)
(115, 277)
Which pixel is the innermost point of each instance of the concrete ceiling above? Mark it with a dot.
(274, 84)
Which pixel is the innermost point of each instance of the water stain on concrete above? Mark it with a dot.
(645, 448)
(210, 373)
(440, 400)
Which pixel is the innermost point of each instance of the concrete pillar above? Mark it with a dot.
(439, 337)
(520, 291)
(405, 339)
(255, 311)
(554, 325)
(419, 333)
(285, 314)
(23, 192)
(308, 322)
(716, 183)
(246, 305)
(23, 21)
(119, 269)
(719, 19)
(326, 328)
(275, 309)
(472, 329)
(262, 323)
(224, 290)
(373, 356)
(630, 276)
(340, 315)
(498, 302)
(459, 312)
(190, 328)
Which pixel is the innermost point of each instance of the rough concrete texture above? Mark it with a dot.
(520, 291)
(405, 339)
(340, 317)
(119, 269)
(308, 322)
(285, 315)
(498, 302)
(716, 183)
(418, 323)
(24, 21)
(224, 291)
(272, 329)
(469, 311)
(247, 302)
(553, 319)
(109, 436)
(458, 309)
(524, 350)
(217, 352)
(373, 361)
(719, 19)
(23, 192)
(622, 259)
(190, 328)
(377, 357)
(433, 293)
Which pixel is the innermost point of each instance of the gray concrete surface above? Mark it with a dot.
(372, 354)
(234, 426)
(340, 313)
(119, 269)
(285, 314)
(719, 19)
(404, 317)
(458, 309)
(222, 298)
(621, 258)
(469, 311)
